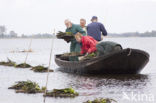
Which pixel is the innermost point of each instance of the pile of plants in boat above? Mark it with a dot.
(8, 63)
(101, 100)
(67, 92)
(66, 56)
(67, 36)
(23, 65)
(88, 57)
(40, 68)
(27, 87)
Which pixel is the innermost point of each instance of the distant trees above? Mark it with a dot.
(2, 31)
(12, 34)
(134, 34)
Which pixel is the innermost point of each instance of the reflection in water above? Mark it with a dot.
(97, 84)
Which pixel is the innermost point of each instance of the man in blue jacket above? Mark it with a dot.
(95, 29)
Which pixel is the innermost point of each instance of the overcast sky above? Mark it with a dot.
(42, 16)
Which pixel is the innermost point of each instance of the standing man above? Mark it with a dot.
(95, 28)
(83, 25)
(74, 29)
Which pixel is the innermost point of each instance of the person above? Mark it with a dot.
(90, 45)
(74, 29)
(95, 28)
(83, 25)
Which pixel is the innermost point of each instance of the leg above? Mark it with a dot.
(77, 47)
(72, 47)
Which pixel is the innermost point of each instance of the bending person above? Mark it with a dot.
(90, 45)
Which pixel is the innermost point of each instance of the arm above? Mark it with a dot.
(80, 30)
(82, 51)
(92, 46)
(102, 28)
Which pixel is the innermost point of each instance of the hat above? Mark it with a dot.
(94, 17)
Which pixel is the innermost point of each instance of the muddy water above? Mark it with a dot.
(123, 88)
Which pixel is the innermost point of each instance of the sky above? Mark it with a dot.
(43, 16)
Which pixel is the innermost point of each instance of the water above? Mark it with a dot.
(142, 86)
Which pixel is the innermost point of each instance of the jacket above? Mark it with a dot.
(88, 44)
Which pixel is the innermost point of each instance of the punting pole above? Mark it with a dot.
(28, 51)
(52, 43)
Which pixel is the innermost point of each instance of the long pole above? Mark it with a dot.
(28, 51)
(52, 43)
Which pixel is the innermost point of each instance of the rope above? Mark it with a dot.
(28, 51)
(52, 43)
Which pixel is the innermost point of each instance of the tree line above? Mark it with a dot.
(13, 34)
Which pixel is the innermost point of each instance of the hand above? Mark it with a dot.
(86, 54)
(81, 58)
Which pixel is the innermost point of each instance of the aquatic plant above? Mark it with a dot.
(8, 63)
(67, 92)
(89, 56)
(40, 68)
(21, 51)
(23, 65)
(71, 54)
(66, 56)
(101, 100)
(27, 87)
(67, 36)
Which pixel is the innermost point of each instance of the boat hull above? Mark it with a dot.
(126, 61)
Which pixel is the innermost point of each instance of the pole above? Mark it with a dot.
(52, 43)
(28, 51)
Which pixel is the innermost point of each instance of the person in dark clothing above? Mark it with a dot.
(107, 47)
(95, 28)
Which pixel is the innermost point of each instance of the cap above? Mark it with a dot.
(94, 17)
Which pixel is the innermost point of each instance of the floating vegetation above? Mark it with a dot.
(27, 87)
(23, 65)
(67, 36)
(8, 63)
(101, 100)
(40, 68)
(67, 92)
(21, 51)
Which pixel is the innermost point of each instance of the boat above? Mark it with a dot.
(125, 61)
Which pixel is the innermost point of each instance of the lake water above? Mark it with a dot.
(139, 88)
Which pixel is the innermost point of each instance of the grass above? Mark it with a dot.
(8, 63)
(23, 65)
(27, 87)
(67, 92)
(40, 68)
(101, 100)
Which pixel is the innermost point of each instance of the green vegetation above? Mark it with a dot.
(101, 100)
(89, 56)
(23, 65)
(67, 56)
(8, 63)
(71, 54)
(67, 92)
(27, 87)
(67, 36)
(40, 68)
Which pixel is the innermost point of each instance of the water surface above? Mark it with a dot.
(89, 87)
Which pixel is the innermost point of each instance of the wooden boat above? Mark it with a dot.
(126, 61)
